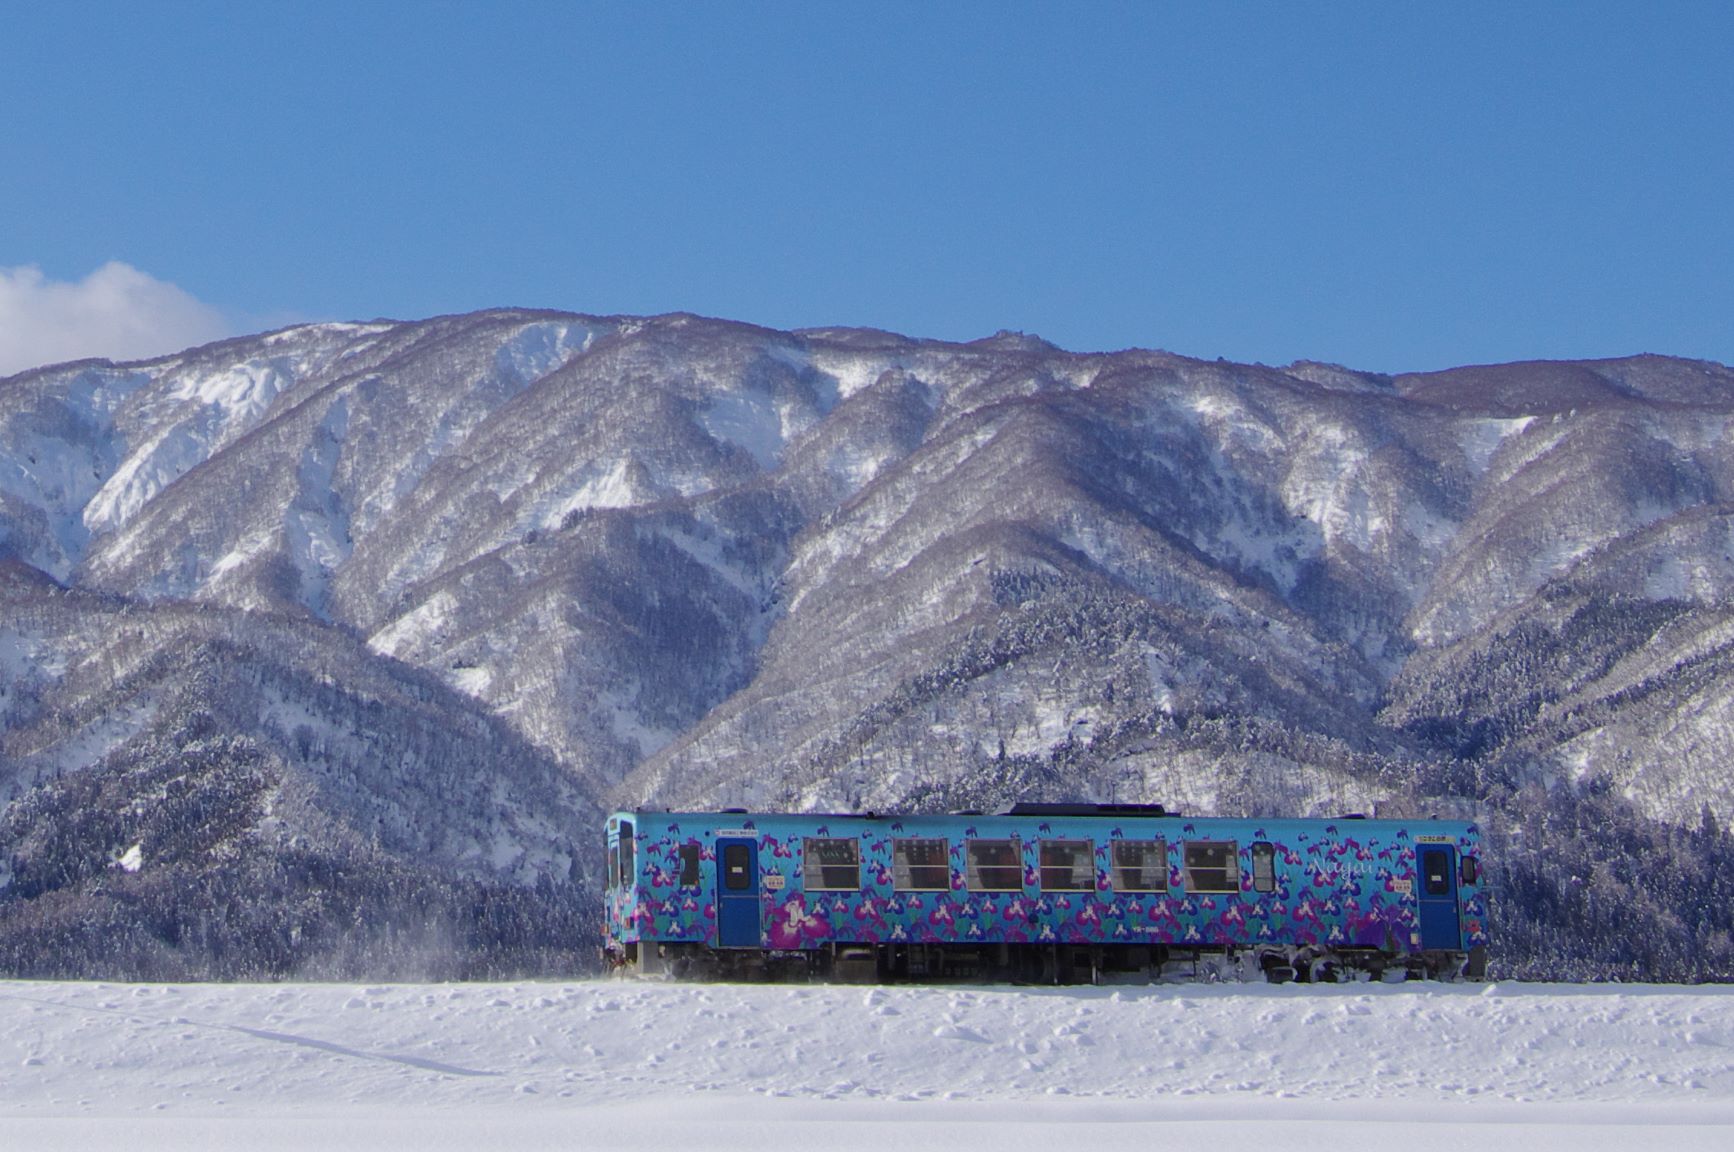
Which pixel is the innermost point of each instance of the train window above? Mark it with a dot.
(613, 866)
(829, 865)
(1471, 869)
(1435, 866)
(737, 866)
(690, 855)
(628, 860)
(1263, 867)
(994, 865)
(921, 865)
(1068, 866)
(1212, 866)
(1140, 866)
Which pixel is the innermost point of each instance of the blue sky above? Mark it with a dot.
(1391, 186)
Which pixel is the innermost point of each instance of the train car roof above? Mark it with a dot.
(1103, 811)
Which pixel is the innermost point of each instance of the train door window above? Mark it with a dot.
(994, 865)
(921, 865)
(1435, 864)
(1068, 866)
(1471, 869)
(831, 865)
(613, 865)
(1212, 866)
(737, 867)
(1140, 866)
(690, 855)
(628, 861)
(1263, 867)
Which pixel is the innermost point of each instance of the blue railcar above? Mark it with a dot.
(1056, 892)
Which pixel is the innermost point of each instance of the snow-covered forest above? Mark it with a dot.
(323, 651)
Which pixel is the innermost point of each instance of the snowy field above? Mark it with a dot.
(846, 1069)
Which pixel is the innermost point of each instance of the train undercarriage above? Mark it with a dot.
(1050, 964)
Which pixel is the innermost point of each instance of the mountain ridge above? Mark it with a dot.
(698, 562)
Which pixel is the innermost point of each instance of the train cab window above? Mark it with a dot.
(1435, 869)
(690, 856)
(1139, 866)
(1471, 869)
(614, 866)
(1263, 867)
(737, 867)
(921, 865)
(1212, 866)
(994, 865)
(628, 858)
(831, 865)
(1068, 866)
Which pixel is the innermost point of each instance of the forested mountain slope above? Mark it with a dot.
(410, 603)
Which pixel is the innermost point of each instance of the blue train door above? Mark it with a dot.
(1437, 864)
(737, 893)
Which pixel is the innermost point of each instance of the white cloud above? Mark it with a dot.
(116, 312)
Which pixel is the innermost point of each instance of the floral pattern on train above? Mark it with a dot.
(1342, 884)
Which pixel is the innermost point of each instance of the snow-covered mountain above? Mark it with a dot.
(458, 583)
